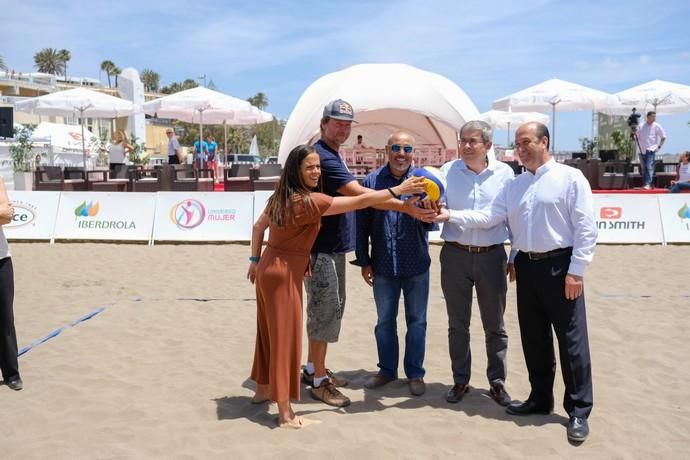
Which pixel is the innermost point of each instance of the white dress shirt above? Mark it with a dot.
(466, 189)
(650, 136)
(173, 146)
(548, 210)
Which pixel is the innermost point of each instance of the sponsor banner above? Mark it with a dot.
(675, 216)
(34, 215)
(211, 216)
(260, 199)
(105, 216)
(628, 218)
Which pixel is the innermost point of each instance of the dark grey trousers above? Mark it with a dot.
(486, 272)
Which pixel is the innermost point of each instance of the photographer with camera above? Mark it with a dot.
(634, 122)
(650, 138)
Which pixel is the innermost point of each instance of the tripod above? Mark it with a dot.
(633, 135)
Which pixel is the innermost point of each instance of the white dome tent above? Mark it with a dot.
(386, 98)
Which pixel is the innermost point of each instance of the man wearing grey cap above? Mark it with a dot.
(326, 287)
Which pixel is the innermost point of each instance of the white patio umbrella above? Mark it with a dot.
(550, 94)
(199, 105)
(499, 119)
(255, 117)
(664, 97)
(81, 102)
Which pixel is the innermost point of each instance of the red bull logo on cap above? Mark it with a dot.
(345, 108)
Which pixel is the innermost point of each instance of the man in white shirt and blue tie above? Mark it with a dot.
(550, 212)
(475, 258)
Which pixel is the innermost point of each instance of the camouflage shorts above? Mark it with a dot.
(325, 296)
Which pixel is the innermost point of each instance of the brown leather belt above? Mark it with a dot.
(548, 254)
(474, 249)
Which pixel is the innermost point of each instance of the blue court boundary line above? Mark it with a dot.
(93, 313)
(57, 331)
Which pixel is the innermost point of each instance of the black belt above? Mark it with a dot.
(474, 249)
(548, 254)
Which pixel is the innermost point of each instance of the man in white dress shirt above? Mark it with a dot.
(475, 258)
(651, 137)
(550, 213)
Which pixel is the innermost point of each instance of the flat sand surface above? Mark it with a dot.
(162, 371)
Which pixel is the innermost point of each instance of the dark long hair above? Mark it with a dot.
(279, 207)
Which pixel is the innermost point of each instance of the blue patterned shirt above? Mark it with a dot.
(399, 242)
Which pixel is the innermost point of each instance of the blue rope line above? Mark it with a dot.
(90, 315)
(57, 331)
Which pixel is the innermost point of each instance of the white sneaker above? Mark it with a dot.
(646, 187)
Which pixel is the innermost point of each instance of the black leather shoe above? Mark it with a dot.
(528, 407)
(15, 384)
(499, 394)
(456, 393)
(578, 429)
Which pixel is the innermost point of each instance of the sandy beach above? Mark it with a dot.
(162, 371)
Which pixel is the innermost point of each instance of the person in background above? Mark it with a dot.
(174, 149)
(9, 364)
(212, 156)
(293, 214)
(360, 142)
(119, 149)
(651, 137)
(200, 153)
(398, 264)
(682, 180)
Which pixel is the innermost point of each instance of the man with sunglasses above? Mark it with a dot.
(475, 258)
(398, 263)
(326, 287)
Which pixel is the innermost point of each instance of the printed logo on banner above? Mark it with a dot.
(91, 209)
(684, 214)
(188, 214)
(87, 210)
(610, 212)
(612, 219)
(24, 214)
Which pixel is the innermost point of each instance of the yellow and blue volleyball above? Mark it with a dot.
(433, 185)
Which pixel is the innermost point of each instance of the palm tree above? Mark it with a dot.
(64, 56)
(176, 87)
(107, 67)
(259, 100)
(3, 66)
(150, 79)
(49, 60)
(116, 71)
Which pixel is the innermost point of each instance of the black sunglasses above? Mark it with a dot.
(406, 148)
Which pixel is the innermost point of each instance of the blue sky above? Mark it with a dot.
(489, 48)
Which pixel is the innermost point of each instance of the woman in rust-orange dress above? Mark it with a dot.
(293, 214)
